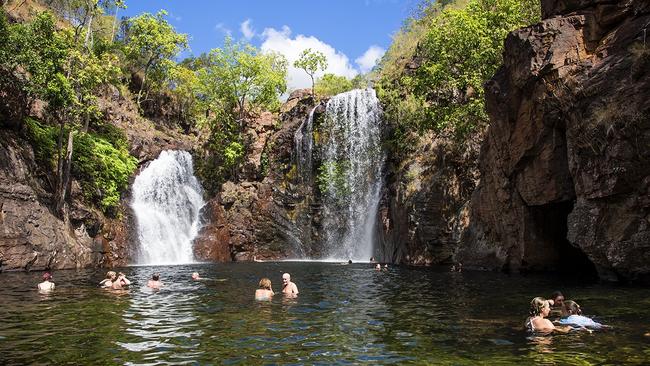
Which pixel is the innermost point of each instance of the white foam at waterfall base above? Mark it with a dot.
(167, 199)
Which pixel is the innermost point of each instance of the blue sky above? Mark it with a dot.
(353, 34)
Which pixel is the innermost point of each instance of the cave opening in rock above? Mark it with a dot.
(550, 224)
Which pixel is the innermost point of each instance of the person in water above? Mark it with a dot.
(195, 276)
(115, 281)
(378, 267)
(47, 284)
(575, 317)
(108, 281)
(154, 282)
(264, 292)
(288, 287)
(557, 305)
(537, 322)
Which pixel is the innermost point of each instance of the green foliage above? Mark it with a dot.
(43, 139)
(458, 50)
(101, 164)
(151, 44)
(102, 169)
(331, 180)
(238, 76)
(222, 155)
(41, 51)
(311, 61)
(330, 84)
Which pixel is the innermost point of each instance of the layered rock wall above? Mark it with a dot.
(565, 167)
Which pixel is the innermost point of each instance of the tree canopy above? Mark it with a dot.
(311, 61)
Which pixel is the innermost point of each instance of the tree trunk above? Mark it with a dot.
(63, 182)
(114, 25)
(144, 79)
(312, 85)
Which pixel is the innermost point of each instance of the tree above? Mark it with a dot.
(151, 44)
(239, 77)
(233, 82)
(82, 13)
(330, 84)
(311, 62)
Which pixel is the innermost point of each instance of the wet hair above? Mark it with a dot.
(536, 306)
(111, 274)
(155, 276)
(47, 276)
(572, 307)
(555, 295)
(265, 283)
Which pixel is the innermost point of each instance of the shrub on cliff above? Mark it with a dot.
(101, 163)
(432, 76)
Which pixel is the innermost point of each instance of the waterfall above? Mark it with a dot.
(167, 199)
(350, 175)
(304, 142)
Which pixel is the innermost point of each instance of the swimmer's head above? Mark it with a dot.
(265, 283)
(572, 307)
(47, 276)
(195, 275)
(155, 277)
(538, 306)
(286, 278)
(558, 299)
(111, 274)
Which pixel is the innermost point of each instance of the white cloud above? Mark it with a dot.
(246, 29)
(370, 58)
(223, 29)
(282, 42)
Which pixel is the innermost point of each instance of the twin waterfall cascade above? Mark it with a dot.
(350, 175)
(167, 199)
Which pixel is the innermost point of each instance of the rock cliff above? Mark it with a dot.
(269, 213)
(565, 166)
(31, 236)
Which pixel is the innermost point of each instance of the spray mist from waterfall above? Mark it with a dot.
(167, 199)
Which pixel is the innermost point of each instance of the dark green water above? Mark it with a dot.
(344, 315)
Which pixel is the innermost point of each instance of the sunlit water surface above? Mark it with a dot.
(345, 314)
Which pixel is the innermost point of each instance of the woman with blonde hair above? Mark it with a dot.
(537, 322)
(108, 281)
(264, 292)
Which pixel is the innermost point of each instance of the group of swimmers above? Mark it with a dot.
(265, 290)
(568, 313)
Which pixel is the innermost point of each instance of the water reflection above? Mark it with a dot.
(344, 314)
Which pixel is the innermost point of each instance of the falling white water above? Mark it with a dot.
(167, 199)
(353, 158)
(304, 142)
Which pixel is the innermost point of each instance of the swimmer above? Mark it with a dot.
(108, 281)
(576, 319)
(264, 292)
(195, 276)
(154, 282)
(386, 267)
(47, 284)
(288, 287)
(557, 305)
(378, 267)
(537, 322)
(120, 282)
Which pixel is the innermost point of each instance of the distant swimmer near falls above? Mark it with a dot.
(351, 174)
(167, 199)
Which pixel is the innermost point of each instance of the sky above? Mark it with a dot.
(353, 34)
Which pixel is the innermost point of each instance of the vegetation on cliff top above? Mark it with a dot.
(432, 76)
